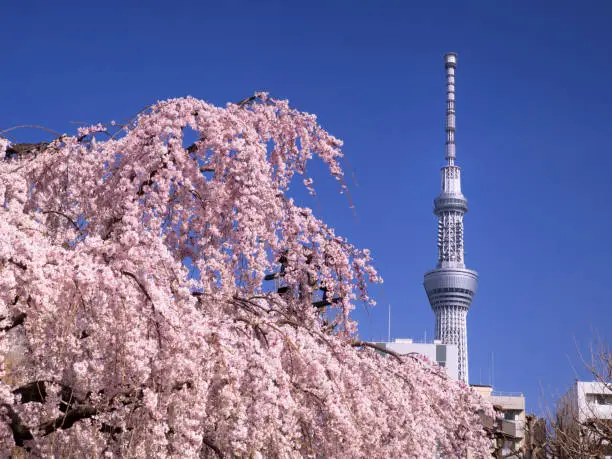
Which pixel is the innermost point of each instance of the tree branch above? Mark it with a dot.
(19, 264)
(18, 320)
(247, 101)
(66, 421)
(212, 446)
(21, 149)
(146, 293)
(21, 432)
(45, 212)
(378, 348)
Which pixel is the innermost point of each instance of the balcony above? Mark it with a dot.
(514, 429)
(596, 411)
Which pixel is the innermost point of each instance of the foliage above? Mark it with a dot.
(112, 346)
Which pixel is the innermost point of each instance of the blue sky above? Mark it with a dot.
(534, 118)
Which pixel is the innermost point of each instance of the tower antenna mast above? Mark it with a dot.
(451, 286)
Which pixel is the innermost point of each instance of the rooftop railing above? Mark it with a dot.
(417, 341)
(499, 393)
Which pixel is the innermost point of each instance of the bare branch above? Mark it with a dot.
(31, 126)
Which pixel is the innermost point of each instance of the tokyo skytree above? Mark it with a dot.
(451, 286)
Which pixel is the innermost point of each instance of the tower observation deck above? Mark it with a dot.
(451, 286)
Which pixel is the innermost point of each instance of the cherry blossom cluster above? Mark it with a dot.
(136, 319)
(89, 130)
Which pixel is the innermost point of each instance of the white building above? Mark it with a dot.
(445, 355)
(585, 401)
(584, 414)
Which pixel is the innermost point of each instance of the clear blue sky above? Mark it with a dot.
(534, 129)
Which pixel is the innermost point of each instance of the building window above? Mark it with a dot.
(440, 353)
(600, 399)
(511, 415)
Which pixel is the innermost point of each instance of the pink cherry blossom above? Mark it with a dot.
(136, 320)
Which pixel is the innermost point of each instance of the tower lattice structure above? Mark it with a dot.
(451, 286)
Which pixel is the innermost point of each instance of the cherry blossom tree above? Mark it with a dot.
(135, 315)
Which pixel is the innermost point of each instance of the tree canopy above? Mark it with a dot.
(137, 321)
